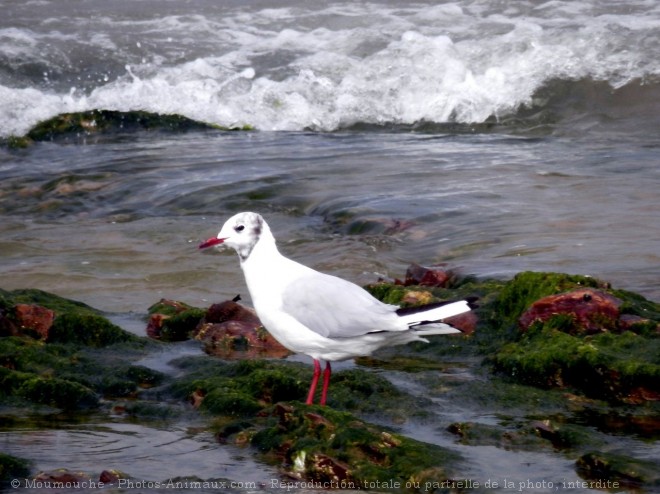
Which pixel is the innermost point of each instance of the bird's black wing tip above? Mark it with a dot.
(405, 311)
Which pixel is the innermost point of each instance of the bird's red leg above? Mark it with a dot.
(326, 382)
(315, 380)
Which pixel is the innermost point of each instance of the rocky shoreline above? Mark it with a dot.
(564, 360)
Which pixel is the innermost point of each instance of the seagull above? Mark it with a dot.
(320, 315)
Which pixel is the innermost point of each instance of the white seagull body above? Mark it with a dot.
(320, 315)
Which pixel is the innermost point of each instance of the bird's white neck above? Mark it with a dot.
(264, 269)
(263, 250)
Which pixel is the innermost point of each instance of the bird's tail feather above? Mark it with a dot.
(434, 328)
(433, 313)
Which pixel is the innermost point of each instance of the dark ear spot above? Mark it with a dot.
(258, 225)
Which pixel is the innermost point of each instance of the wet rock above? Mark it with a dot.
(112, 476)
(573, 337)
(638, 324)
(34, 318)
(476, 434)
(57, 320)
(12, 468)
(517, 295)
(169, 307)
(50, 391)
(238, 339)
(619, 368)
(329, 446)
(86, 329)
(230, 310)
(49, 300)
(583, 311)
(466, 322)
(7, 325)
(604, 470)
(428, 276)
(84, 124)
(155, 325)
(561, 435)
(62, 476)
(170, 320)
(68, 327)
(231, 330)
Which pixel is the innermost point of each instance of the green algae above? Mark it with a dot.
(527, 287)
(49, 391)
(608, 366)
(66, 376)
(333, 446)
(605, 365)
(179, 327)
(623, 469)
(78, 125)
(96, 121)
(168, 307)
(66, 371)
(51, 301)
(86, 329)
(236, 388)
(12, 468)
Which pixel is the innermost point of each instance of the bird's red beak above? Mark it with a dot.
(211, 242)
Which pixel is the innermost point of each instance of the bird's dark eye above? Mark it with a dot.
(239, 228)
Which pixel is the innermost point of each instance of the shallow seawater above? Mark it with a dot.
(116, 223)
(152, 453)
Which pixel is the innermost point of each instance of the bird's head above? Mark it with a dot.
(241, 232)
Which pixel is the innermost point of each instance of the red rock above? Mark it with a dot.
(592, 311)
(34, 318)
(640, 395)
(239, 339)
(428, 276)
(628, 321)
(62, 475)
(155, 325)
(324, 468)
(197, 397)
(231, 311)
(466, 322)
(111, 476)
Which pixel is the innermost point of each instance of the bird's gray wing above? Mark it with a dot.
(336, 308)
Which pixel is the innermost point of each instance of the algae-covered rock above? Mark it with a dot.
(324, 445)
(615, 471)
(584, 311)
(66, 376)
(260, 403)
(86, 329)
(80, 124)
(517, 295)
(575, 334)
(232, 330)
(49, 391)
(51, 362)
(56, 320)
(12, 468)
(42, 298)
(170, 320)
(240, 388)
